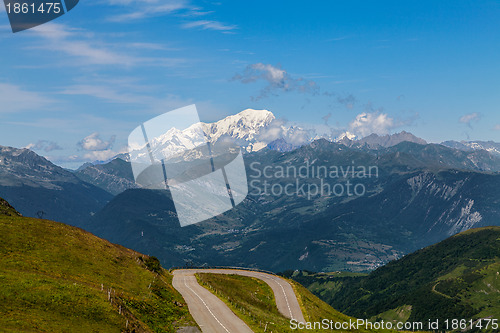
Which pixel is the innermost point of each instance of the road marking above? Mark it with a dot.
(201, 299)
(265, 277)
(284, 293)
(261, 276)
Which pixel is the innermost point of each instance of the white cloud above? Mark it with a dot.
(278, 80)
(367, 123)
(469, 118)
(260, 71)
(295, 134)
(14, 99)
(44, 145)
(102, 155)
(497, 127)
(274, 131)
(91, 156)
(209, 25)
(94, 143)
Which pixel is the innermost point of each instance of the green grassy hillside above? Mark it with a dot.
(253, 301)
(456, 278)
(57, 278)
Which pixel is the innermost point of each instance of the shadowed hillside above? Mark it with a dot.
(7, 209)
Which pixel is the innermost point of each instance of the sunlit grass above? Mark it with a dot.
(253, 301)
(57, 278)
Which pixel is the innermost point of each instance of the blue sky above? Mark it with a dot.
(74, 88)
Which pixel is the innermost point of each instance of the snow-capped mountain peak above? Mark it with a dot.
(346, 136)
(490, 146)
(243, 127)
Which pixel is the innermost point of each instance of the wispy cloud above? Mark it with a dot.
(107, 93)
(127, 92)
(336, 39)
(470, 118)
(150, 46)
(277, 79)
(497, 127)
(210, 25)
(326, 118)
(348, 101)
(143, 9)
(140, 9)
(57, 38)
(88, 50)
(14, 99)
(197, 12)
(46, 123)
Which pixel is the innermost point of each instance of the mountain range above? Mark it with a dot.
(114, 176)
(37, 187)
(419, 194)
(259, 130)
(375, 141)
(254, 130)
(245, 128)
(489, 146)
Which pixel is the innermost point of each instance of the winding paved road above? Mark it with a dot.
(212, 315)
